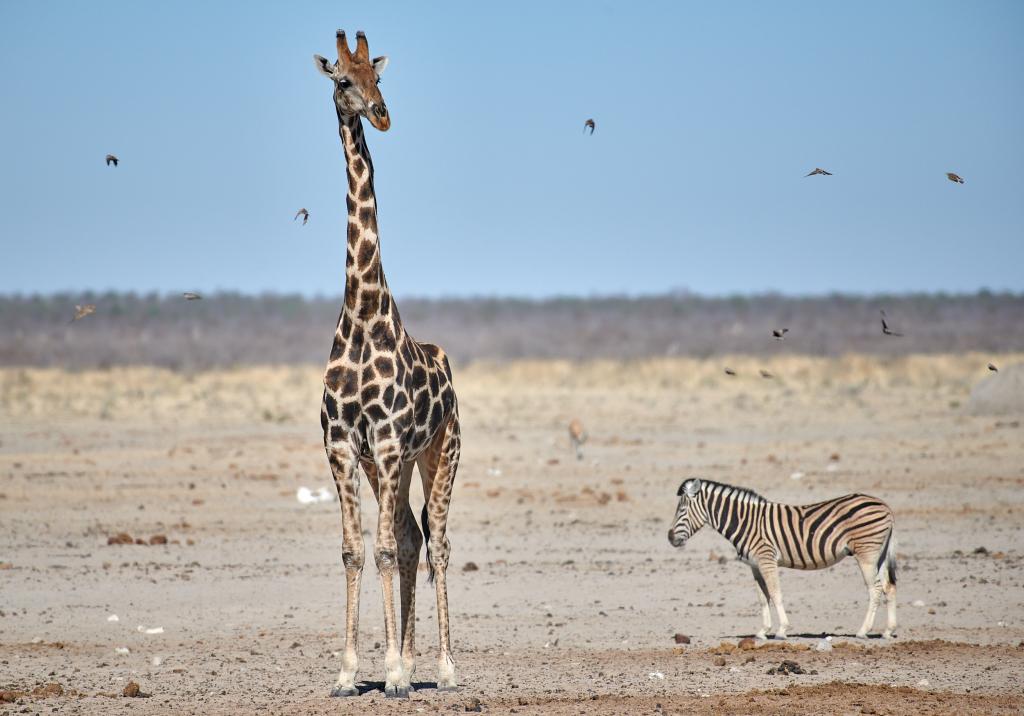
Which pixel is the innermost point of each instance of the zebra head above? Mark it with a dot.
(690, 514)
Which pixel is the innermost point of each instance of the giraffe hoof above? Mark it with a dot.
(396, 692)
(341, 691)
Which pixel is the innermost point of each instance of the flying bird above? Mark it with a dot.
(992, 367)
(818, 170)
(111, 159)
(83, 311)
(885, 327)
(766, 374)
(730, 371)
(589, 124)
(577, 436)
(778, 334)
(304, 214)
(955, 178)
(189, 296)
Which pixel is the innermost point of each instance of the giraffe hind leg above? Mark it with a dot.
(438, 465)
(410, 541)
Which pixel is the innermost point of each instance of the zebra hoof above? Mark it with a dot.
(862, 635)
(344, 691)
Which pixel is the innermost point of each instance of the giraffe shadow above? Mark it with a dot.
(366, 687)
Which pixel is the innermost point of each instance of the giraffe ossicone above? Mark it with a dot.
(388, 407)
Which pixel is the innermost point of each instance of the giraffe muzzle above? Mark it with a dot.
(378, 116)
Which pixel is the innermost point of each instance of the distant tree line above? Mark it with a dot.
(227, 329)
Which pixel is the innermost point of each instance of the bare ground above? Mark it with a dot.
(578, 593)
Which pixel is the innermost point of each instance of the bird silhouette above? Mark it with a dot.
(589, 124)
(955, 178)
(304, 214)
(818, 170)
(577, 436)
(885, 327)
(189, 296)
(730, 371)
(992, 367)
(111, 159)
(83, 311)
(779, 333)
(766, 374)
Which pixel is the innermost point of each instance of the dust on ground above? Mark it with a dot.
(234, 602)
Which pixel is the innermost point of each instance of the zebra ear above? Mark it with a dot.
(691, 486)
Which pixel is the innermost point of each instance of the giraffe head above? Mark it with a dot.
(355, 77)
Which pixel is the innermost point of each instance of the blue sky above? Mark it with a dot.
(708, 116)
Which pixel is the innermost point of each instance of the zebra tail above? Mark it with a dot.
(887, 559)
(426, 539)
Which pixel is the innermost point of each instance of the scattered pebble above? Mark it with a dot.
(824, 644)
(789, 667)
(681, 639)
(473, 704)
(305, 496)
(121, 538)
(917, 603)
(131, 690)
(470, 567)
(123, 650)
(796, 475)
(156, 661)
(158, 539)
(747, 643)
(152, 630)
(719, 661)
(113, 618)
(923, 682)
(656, 676)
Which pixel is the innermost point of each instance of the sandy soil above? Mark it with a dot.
(578, 593)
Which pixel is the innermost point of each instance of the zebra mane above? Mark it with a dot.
(732, 491)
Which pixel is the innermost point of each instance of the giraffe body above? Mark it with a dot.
(388, 406)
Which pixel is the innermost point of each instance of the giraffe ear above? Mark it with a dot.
(380, 64)
(691, 487)
(325, 66)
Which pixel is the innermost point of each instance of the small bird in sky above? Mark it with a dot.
(111, 159)
(955, 178)
(589, 124)
(818, 170)
(885, 326)
(731, 372)
(992, 367)
(779, 333)
(577, 436)
(190, 296)
(766, 374)
(304, 214)
(83, 311)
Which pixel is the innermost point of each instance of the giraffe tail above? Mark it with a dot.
(426, 540)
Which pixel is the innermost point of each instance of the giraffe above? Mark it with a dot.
(388, 406)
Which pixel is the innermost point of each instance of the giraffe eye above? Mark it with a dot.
(344, 83)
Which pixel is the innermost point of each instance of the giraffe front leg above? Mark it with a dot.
(766, 612)
(346, 480)
(410, 541)
(385, 553)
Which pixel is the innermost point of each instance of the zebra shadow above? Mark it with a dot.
(807, 635)
(366, 687)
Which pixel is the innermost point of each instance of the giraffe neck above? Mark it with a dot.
(366, 289)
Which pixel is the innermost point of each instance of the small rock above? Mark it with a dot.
(158, 539)
(834, 457)
(747, 643)
(923, 682)
(918, 603)
(785, 668)
(980, 550)
(131, 690)
(719, 661)
(113, 618)
(656, 676)
(45, 692)
(470, 567)
(681, 639)
(474, 704)
(121, 538)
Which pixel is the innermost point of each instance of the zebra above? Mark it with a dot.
(768, 535)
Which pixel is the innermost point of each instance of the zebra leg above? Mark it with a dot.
(770, 573)
(890, 603)
(873, 581)
(766, 612)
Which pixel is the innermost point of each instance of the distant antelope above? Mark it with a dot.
(577, 436)
(768, 535)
